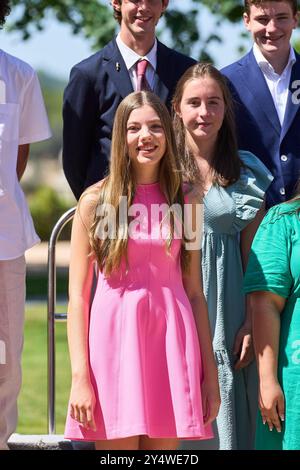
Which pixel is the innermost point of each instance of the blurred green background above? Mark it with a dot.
(49, 197)
(33, 398)
(185, 28)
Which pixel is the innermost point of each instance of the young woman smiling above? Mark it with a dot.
(231, 184)
(138, 380)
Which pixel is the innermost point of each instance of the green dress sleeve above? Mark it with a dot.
(268, 266)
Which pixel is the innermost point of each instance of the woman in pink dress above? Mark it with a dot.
(138, 378)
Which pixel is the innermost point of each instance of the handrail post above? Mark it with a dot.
(51, 307)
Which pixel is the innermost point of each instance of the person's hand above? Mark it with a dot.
(271, 404)
(82, 403)
(211, 399)
(243, 347)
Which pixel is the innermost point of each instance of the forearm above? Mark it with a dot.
(77, 328)
(78, 321)
(266, 331)
(82, 275)
(248, 316)
(246, 239)
(23, 154)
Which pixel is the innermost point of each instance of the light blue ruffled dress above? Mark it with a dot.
(227, 211)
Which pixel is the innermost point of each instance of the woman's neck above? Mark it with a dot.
(203, 150)
(146, 177)
(203, 153)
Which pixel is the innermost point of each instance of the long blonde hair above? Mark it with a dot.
(120, 182)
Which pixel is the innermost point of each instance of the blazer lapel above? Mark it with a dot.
(162, 72)
(293, 102)
(117, 70)
(262, 99)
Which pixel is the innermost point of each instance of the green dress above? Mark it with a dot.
(274, 266)
(227, 211)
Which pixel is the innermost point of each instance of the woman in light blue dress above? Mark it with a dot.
(232, 185)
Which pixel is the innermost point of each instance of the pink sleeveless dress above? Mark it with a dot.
(145, 362)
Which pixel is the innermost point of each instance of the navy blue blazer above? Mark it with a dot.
(258, 126)
(97, 86)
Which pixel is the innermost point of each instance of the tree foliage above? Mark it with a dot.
(94, 19)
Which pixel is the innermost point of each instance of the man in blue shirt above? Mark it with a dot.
(99, 83)
(265, 85)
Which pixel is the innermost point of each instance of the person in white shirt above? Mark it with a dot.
(133, 61)
(23, 120)
(265, 87)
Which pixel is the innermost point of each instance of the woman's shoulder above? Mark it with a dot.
(253, 166)
(91, 194)
(88, 202)
(254, 179)
(282, 220)
(284, 213)
(250, 160)
(192, 194)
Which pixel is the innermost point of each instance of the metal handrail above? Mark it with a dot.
(52, 315)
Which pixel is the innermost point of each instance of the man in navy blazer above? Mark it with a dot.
(265, 86)
(98, 84)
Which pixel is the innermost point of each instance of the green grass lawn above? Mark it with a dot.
(33, 398)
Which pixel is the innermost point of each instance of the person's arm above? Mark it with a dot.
(82, 398)
(266, 310)
(192, 281)
(243, 344)
(269, 281)
(79, 121)
(23, 154)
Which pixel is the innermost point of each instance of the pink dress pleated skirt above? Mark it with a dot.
(145, 361)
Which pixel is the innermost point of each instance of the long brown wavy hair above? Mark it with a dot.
(121, 182)
(226, 163)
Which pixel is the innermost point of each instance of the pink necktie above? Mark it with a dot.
(142, 83)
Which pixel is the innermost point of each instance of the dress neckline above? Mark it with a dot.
(148, 186)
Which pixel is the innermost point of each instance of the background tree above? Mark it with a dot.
(93, 19)
(181, 28)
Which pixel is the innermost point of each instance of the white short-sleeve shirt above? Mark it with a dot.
(23, 120)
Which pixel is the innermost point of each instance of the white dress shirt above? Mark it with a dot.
(23, 120)
(131, 58)
(278, 84)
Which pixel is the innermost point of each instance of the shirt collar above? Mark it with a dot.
(131, 57)
(266, 67)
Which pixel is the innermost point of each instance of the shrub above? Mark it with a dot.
(46, 207)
